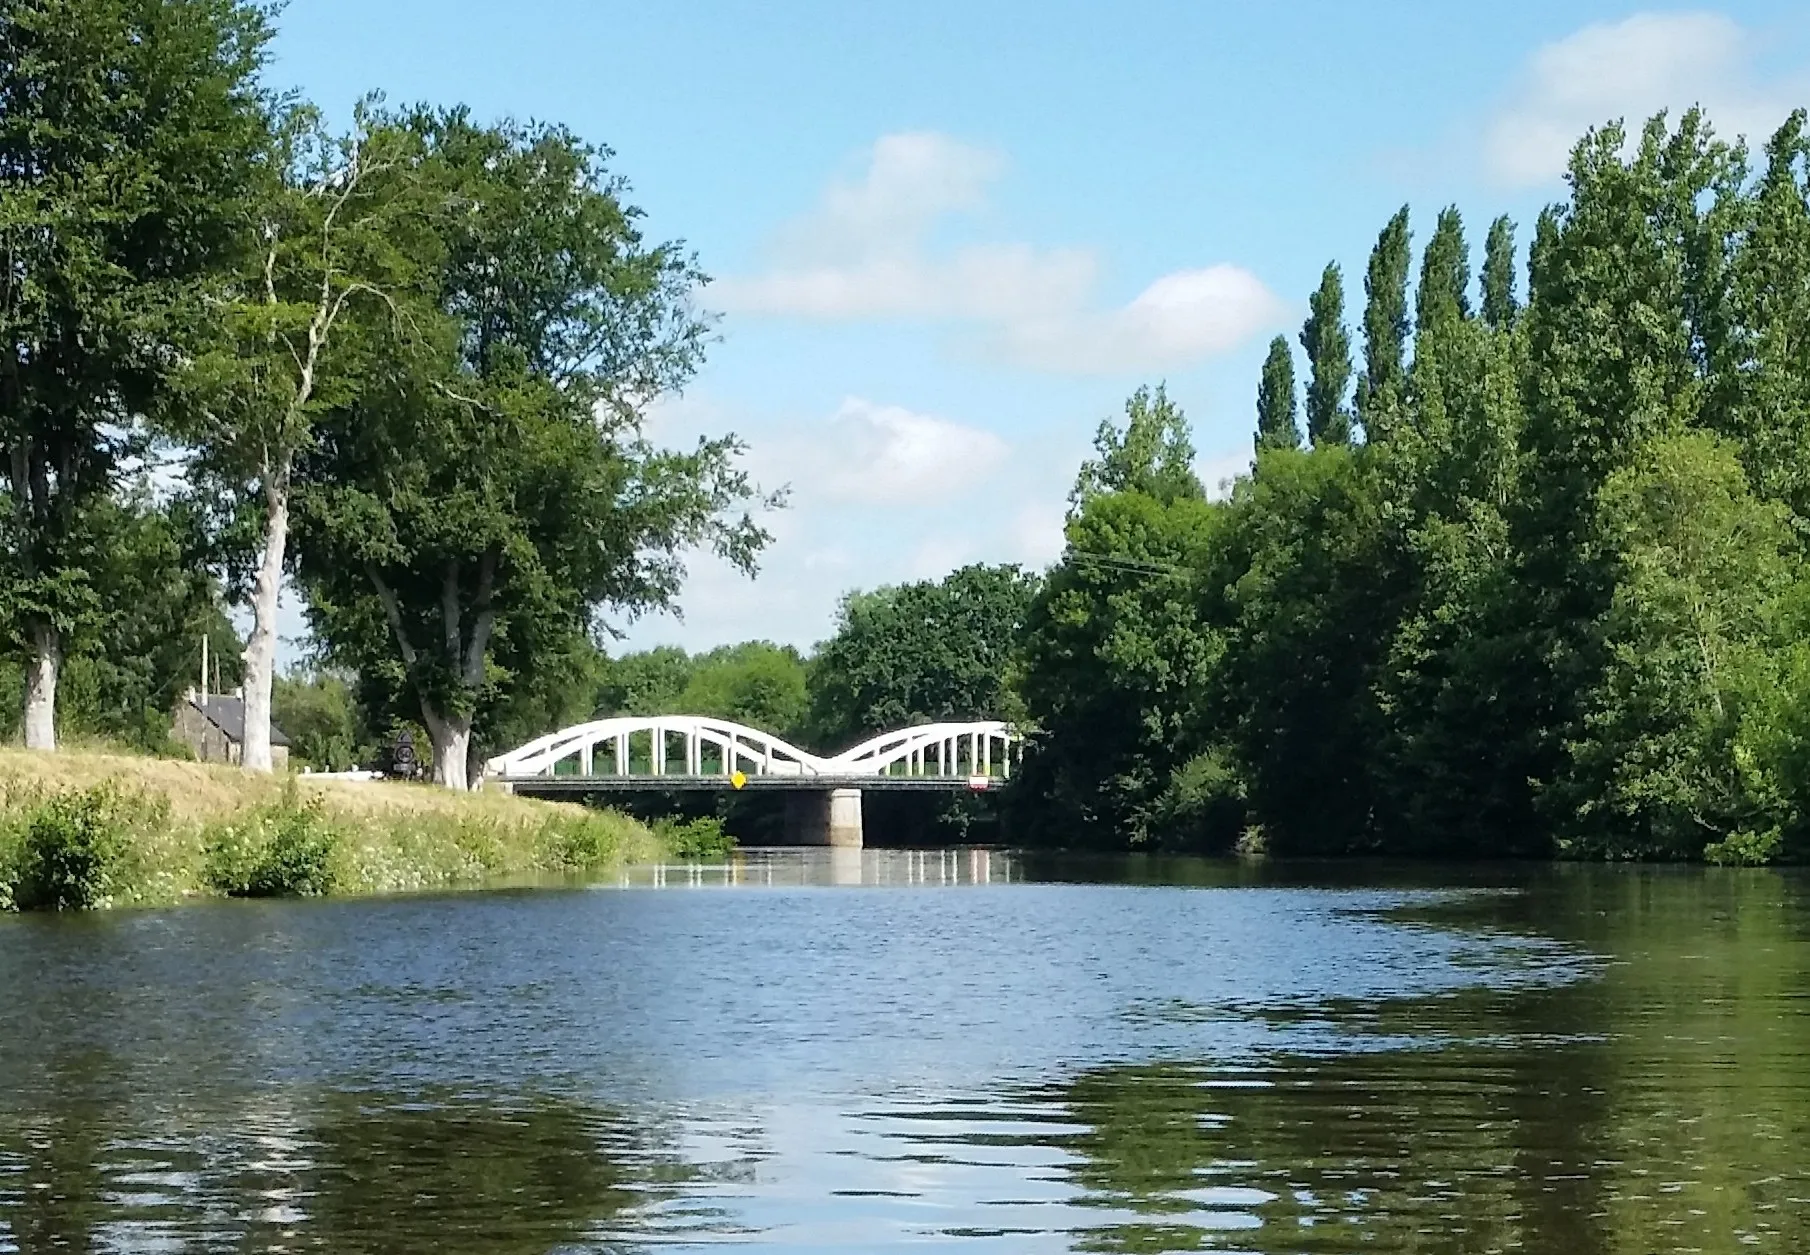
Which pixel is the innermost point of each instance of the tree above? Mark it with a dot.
(1153, 453)
(1445, 274)
(141, 647)
(920, 653)
(340, 242)
(644, 683)
(756, 683)
(1385, 324)
(130, 131)
(1115, 666)
(1328, 347)
(320, 712)
(470, 512)
(1656, 765)
(1499, 303)
(1276, 428)
(1763, 388)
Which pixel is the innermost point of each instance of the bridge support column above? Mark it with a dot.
(824, 817)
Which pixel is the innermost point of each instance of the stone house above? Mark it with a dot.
(214, 727)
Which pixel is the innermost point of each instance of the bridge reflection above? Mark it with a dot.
(837, 866)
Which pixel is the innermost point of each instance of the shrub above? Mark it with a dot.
(71, 850)
(1203, 810)
(579, 841)
(702, 837)
(286, 850)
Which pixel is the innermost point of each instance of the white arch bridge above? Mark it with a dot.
(683, 752)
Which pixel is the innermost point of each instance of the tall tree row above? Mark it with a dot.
(1555, 599)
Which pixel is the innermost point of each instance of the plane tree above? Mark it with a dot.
(131, 133)
(488, 494)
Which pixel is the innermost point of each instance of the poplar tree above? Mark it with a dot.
(1385, 319)
(1445, 274)
(1276, 427)
(1499, 303)
(130, 132)
(1328, 346)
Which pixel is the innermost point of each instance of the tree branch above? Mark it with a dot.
(449, 612)
(393, 612)
(486, 620)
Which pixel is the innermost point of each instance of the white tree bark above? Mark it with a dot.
(261, 646)
(451, 739)
(41, 688)
(450, 735)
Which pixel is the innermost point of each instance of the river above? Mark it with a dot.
(962, 1050)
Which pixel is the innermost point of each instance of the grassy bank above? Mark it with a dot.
(82, 829)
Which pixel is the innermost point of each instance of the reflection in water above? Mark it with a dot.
(360, 1174)
(831, 866)
(1574, 1060)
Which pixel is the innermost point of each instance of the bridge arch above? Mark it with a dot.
(605, 748)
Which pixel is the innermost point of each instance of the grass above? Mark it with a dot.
(89, 827)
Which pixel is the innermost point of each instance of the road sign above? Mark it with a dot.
(738, 779)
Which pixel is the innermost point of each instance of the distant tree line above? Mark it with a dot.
(404, 364)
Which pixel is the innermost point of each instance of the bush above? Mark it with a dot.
(1203, 810)
(286, 850)
(70, 851)
(702, 837)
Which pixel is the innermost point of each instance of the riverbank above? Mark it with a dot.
(83, 828)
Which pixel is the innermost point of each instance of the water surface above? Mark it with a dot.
(953, 1049)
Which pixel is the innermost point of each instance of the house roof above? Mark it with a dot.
(228, 715)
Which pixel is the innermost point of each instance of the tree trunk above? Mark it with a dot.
(261, 646)
(451, 737)
(41, 688)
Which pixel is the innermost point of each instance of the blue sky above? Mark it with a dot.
(948, 239)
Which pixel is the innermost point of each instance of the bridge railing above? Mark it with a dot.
(645, 746)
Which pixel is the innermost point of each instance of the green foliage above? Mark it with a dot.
(701, 837)
(288, 849)
(469, 513)
(326, 726)
(1499, 303)
(1116, 664)
(1445, 275)
(1558, 603)
(71, 849)
(1328, 346)
(1385, 324)
(756, 683)
(1153, 453)
(1205, 808)
(131, 136)
(939, 650)
(647, 682)
(1276, 406)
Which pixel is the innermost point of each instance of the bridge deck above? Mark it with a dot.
(713, 783)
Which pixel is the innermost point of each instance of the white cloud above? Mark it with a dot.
(912, 179)
(1036, 533)
(1182, 317)
(1632, 69)
(887, 455)
(865, 253)
(880, 494)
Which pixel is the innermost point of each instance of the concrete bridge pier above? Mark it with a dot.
(824, 817)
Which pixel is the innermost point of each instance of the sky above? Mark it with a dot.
(947, 240)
